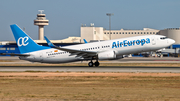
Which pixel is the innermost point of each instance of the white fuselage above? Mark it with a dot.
(121, 47)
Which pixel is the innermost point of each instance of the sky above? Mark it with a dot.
(66, 16)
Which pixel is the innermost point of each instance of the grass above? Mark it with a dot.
(133, 88)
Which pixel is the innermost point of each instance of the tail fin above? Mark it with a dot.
(24, 42)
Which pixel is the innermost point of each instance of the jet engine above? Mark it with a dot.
(107, 55)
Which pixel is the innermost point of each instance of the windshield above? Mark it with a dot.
(163, 38)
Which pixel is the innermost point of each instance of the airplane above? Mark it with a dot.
(103, 50)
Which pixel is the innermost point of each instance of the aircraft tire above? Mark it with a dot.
(90, 64)
(96, 64)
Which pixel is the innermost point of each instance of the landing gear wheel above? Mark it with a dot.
(96, 64)
(90, 64)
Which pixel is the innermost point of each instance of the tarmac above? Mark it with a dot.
(16, 60)
(134, 69)
(122, 69)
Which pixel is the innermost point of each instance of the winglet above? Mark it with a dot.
(85, 41)
(50, 44)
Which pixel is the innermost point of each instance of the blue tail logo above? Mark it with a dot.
(25, 43)
(22, 41)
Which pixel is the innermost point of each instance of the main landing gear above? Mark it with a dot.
(91, 64)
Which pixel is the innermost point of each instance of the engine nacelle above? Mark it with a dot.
(119, 57)
(108, 55)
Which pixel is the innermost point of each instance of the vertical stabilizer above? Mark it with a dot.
(24, 42)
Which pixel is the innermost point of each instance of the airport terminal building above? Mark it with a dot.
(99, 33)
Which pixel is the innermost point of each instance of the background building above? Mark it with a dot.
(41, 21)
(99, 33)
(173, 33)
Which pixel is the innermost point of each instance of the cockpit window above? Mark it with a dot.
(163, 38)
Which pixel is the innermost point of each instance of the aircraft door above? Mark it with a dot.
(153, 41)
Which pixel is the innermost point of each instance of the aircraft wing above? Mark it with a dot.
(13, 54)
(79, 53)
(74, 50)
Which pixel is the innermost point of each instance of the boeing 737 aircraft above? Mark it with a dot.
(104, 50)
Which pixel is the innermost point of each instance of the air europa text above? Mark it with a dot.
(126, 43)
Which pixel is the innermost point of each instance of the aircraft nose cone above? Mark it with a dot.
(172, 41)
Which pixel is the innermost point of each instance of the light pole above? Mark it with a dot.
(109, 14)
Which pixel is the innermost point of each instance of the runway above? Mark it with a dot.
(116, 69)
(134, 69)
